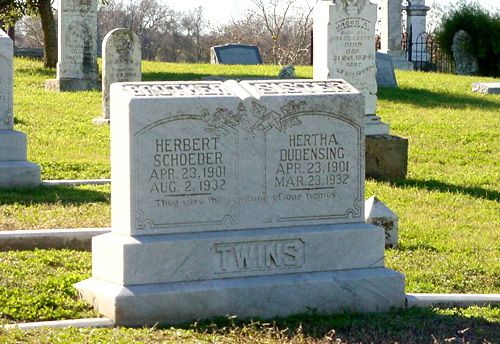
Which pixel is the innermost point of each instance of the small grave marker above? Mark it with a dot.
(235, 54)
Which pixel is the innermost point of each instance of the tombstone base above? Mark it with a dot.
(361, 290)
(72, 85)
(19, 174)
(386, 157)
(13, 145)
(101, 121)
(402, 64)
(374, 126)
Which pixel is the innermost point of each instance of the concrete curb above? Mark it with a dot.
(79, 323)
(451, 300)
(76, 182)
(76, 238)
(412, 300)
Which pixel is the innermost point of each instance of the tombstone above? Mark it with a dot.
(486, 87)
(121, 62)
(344, 47)
(385, 71)
(416, 19)
(235, 54)
(465, 62)
(378, 214)
(390, 27)
(15, 170)
(238, 198)
(344, 44)
(77, 47)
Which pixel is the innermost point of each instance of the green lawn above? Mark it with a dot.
(449, 209)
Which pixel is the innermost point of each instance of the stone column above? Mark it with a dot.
(390, 20)
(121, 62)
(416, 13)
(77, 47)
(15, 171)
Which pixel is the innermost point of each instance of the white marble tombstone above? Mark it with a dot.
(238, 198)
(77, 47)
(390, 33)
(15, 170)
(121, 61)
(344, 47)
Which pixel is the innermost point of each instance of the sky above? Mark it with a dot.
(221, 11)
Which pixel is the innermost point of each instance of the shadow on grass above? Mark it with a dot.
(428, 99)
(435, 185)
(52, 195)
(414, 325)
(165, 76)
(50, 73)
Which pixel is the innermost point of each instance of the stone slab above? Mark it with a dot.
(19, 174)
(253, 154)
(360, 290)
(378, 214)
(13, 145)
(344, 45)
(217, 255)
(75, 323)
(375, 126)
(452, 300)
(486, 87)
(76, 238)
(235, 54)
(385, 71)
(72, 85)
(386, 157)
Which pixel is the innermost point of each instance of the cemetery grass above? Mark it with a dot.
(449, 208)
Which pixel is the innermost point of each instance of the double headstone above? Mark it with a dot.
(77, 47)
(121, 62)
(15, 170)
(238, 198)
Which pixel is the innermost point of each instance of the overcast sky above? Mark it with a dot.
(223, 10)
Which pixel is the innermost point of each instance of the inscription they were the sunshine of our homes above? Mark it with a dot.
(295, 169)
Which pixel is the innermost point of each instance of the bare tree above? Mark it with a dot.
(288, 24)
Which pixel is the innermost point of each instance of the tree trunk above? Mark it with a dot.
(49, 33)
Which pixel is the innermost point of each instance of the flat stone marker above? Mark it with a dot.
(121, 62)
(238, 198)
(15, 171)
(385, 71)
(344, 47)
(486, 87)
(77, 47)
(235, 54)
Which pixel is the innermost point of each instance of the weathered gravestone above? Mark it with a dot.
(465, 61)
(385, 71)
(344, 44)
(15, 170)
(121, 61)
(238, 198)
(486, 87)
(77, 47)
(344, 47)
(235, 54)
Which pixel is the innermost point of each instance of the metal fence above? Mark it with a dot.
(426, 54)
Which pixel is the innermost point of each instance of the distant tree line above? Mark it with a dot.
(280, 28)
